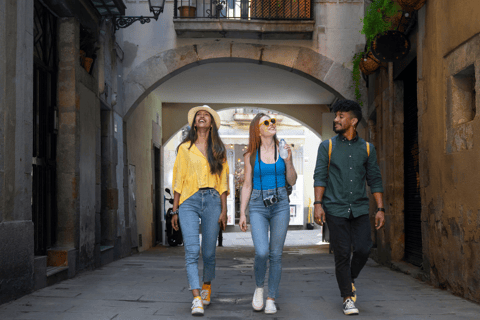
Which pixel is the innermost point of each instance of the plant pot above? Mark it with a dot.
(390, 46)
(87, 64)
(187, 11)
(82, 57)
(400, 22)
(369, 64)
(411, 5)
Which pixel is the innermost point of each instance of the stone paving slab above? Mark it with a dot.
(152, 285)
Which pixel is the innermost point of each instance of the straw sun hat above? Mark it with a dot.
(192, 112)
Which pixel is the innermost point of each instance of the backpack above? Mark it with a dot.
(253, 158)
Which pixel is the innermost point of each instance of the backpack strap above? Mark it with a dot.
(330, 146)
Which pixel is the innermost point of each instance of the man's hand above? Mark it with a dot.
(379, 219)
(222, 221)
(319, 214)
(175, 222)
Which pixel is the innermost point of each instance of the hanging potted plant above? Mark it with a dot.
(88, 49)
(377, 19)
(391, 45)
(365, 63)
(411, 5)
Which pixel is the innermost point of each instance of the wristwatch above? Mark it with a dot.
(318, 202)
(174, 212)
(381, 209)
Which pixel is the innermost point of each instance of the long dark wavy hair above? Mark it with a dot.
(254, 140)
(216, 152)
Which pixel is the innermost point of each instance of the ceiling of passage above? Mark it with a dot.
(236, 82)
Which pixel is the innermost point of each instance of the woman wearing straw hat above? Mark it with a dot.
(200, 185)
(266, 173)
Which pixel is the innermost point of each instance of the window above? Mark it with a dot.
(461, 99)
(463, 96)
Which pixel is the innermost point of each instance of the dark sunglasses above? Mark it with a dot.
(267, 122)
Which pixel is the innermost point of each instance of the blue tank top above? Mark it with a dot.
(268, 174)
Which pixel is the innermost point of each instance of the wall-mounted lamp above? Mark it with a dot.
(116, 10)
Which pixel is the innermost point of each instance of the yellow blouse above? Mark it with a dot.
(192, 172)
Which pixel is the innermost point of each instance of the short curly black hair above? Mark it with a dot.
(348, 106)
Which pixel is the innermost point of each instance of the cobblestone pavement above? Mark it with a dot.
(152, 285)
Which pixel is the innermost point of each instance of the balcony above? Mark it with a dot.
(247, 19)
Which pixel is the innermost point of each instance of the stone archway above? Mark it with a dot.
(150, 74)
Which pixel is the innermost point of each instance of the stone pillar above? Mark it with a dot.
(68, 148)
(109, 184)
(16, 132)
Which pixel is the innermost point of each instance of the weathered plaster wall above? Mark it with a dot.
(89, 105)
(335, 34)
(16, 94)
(140, 147)
(152, 56)
(386, 133)
(449, 180)
(446, 43)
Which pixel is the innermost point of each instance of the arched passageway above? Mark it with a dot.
(323, 81)
(302, 61)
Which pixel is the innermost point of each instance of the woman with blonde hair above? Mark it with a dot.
(265, 192)
(200, 185)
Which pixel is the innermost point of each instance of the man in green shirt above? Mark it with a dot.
(341, 197)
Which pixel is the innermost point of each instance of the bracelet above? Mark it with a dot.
(381, 209)
(174, 212)
(318, 202)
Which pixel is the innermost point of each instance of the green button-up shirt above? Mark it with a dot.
(350, 166)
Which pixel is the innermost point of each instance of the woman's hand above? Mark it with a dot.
(175, 222)
(289, 157)
(222, 221)
(243, 222)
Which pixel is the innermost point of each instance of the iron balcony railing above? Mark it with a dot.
(244, 9)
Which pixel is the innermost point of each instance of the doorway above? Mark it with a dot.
(45, 129)
(157, 207)
(413, 208)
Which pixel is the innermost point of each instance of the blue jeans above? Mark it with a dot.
(277, 217)
(204, 205)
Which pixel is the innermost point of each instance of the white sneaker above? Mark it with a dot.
(349, 307)
(197, 306)
(270, 307)
(257, 302)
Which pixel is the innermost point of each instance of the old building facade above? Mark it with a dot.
(423, 118)
(81, 152)
(61, 144)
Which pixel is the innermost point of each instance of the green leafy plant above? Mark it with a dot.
(378, 19)
(356, 76)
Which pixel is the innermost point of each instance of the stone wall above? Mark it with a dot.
(450, 176)
(16, 93)
(140, 148)
(446, 45)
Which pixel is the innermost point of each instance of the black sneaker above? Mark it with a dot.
(349, 307)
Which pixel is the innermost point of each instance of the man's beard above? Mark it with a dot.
(339, 131)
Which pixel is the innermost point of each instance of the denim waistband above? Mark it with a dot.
(269, 190)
